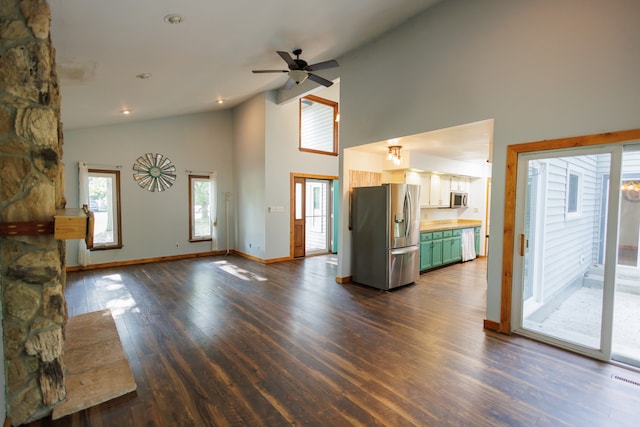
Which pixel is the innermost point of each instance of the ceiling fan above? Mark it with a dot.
(299, 70)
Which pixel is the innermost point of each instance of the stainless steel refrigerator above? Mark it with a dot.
(385, 235)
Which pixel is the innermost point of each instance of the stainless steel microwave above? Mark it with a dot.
(458, 200)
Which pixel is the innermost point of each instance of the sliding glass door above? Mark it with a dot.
(626, 313)
(576, 275)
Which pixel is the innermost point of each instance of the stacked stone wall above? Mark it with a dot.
(32, 268)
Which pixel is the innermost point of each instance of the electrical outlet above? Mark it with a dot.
(177, 245)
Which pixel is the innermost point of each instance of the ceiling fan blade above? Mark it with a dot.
(323, 65)
(287, 58)
(289, 84)
(270, 71)
(321, 80)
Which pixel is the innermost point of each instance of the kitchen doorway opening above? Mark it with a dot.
(314, 215)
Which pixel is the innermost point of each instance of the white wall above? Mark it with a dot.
(542, 70)
(266, 139)
(153, 222)
(448, 166)
(282, 158)
(234, 143)
(249, 176)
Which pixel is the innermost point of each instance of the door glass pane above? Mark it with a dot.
(536, 171)
(626, 314)
(562, 280)
(317, 216)
(299, 200)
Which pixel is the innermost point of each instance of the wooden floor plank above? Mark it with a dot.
(224, 341)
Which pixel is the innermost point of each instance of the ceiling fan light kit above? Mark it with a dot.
(299, 70)
(298, 76)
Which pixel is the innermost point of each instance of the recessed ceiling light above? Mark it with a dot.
(125, 111)
(220, 101)
(173, 18)
(143, 76)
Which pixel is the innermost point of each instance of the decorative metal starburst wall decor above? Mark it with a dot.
(154, 172)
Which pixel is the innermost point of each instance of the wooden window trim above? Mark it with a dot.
(191, 239)
(329, 103)
(118, 244)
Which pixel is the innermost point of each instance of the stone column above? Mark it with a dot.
(32, 268)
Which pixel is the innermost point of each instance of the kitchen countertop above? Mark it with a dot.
(449, 224)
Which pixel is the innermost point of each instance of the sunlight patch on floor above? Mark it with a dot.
(238, 272)
(115, 295)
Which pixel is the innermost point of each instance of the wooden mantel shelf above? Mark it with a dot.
(29, 228)
(67, 224)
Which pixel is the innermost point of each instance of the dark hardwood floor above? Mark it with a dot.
(224, 341)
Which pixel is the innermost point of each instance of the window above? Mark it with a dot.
(201, 208)
(573, 193)
(318, 125)
(104, 202)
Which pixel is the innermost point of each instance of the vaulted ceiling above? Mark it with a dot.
(103, 45)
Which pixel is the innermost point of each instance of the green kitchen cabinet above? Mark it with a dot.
(426, 251)
(456, 246)
(436, 249)
(451, 246)
(444, 247)
(430, 250)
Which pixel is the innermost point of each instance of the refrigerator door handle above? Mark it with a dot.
(408, 210)
(405, 250)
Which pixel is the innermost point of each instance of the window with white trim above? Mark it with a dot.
(574, 191)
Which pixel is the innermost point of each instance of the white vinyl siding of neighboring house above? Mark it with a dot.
(317, 130)
(318, 125)
(566, 260)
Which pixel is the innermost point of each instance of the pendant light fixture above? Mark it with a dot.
(394, 154)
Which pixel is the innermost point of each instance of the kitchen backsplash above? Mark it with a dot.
(440, 214)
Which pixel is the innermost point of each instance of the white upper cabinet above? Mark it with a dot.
(460, 183)
(435, 189)
(445, 191)
(425, 182)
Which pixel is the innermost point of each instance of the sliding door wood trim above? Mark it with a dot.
(510, 201)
